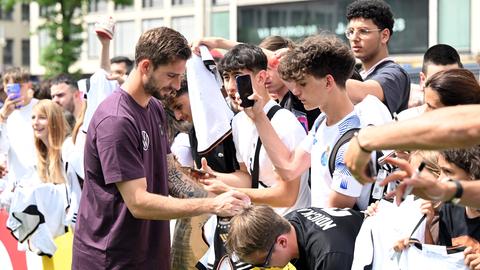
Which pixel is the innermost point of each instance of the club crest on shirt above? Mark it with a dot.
(145, 140)
(324, 158)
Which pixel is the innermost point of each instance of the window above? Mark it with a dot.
(25, 12)
(220, 25)
(6, 15)
(124, 7)
(152, 3)
(93, 49)
(182, 2)
(151, 23)
(25, 52)
(454, 27)
(220, 2)
(302, 19)
(43, 39)
(125, 38)
(97, 6)
(8, 52)
(185, 25)
(45, 11)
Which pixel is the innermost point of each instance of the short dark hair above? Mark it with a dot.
(466, 159)
(244, 56)
(162, 45)
(318, 56)
(455, 87)
(441, 54)
(274, 43)
(376, 10)
(123, 59)
(66, 79)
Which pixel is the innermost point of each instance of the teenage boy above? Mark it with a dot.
(370, 27)
(316, 72)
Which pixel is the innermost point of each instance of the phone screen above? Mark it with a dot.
(244, 88)
(14, 90)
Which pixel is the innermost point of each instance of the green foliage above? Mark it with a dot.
(63, 24)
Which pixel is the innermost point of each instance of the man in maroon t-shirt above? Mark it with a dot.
(129, 171)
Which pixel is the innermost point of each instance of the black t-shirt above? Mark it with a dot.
(222, 158)
(293, 104)
(395, 84)
(454, 223)
(326, 237)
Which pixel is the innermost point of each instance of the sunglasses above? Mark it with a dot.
(266, 263)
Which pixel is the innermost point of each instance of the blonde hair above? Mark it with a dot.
(255, 230)
(431, 160)
(49, 166)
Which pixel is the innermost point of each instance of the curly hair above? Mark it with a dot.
(244, 56)
(376, 10)
(318, 56)
(466, 159)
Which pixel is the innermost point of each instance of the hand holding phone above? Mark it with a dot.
(13, 92)
(244, 88)
(196, 173)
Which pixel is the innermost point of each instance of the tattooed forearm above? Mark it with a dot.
(180, 185)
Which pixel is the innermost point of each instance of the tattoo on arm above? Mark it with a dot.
(179, 184)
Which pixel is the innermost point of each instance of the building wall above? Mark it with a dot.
(14, 33)
(420, 24)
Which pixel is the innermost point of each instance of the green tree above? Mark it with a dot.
(63, 25)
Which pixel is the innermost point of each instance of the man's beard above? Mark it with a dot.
(158, 93)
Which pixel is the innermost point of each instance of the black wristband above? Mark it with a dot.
(359, 144)
(458, 191)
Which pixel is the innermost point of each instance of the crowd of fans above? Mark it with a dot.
(312, 175)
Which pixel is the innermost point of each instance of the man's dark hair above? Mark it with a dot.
(442, 55)
(466, 159)
(162, 46)
(123, 59)
(376, 10)
(244, 56)
(66, 79)
(274, 43)
(318, 56)
(455, 87)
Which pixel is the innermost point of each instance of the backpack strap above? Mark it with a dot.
(346, 137)
(373, 168)
(255, 172)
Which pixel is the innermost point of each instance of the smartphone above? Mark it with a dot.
(13, 89)
(196, 173)
(244, 88)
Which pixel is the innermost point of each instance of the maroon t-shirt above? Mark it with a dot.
(124, 142)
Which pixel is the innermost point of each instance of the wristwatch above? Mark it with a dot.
(458, 191)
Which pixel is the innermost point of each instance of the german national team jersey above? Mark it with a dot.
(326, 237)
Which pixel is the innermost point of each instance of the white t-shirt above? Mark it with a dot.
(290, 131)
(411, 112)
(320, 142)
(16, 139)
(100, 89)
(181, 149)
